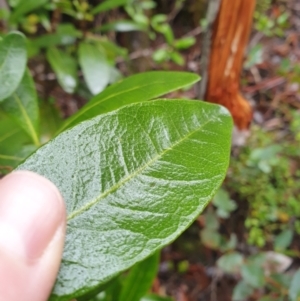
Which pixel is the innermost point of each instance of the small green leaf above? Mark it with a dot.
(283, 279)
(184, 43)
(230, 263)
(108, 5)
(229, 244)
(283, 239)
(112, 50)
(14, 144)
(114, 75)
(255, 56)
(65, 68)
(50, 120)
(122, 26)
(294, 290)
(157, 19)
(65, 34)
(159, 23)
(136, 88)
(4, 14)
(13, 59)
(140, 279)
(242, 291)
(22, 106)
(133, 180)
(111, 293)
(13, 3)
(224, 204)
(270, 298)
(95, 68)
(253, 275)
(161, 55)
(211, 220)
(211, 238)
(177, 58)
(24, 7)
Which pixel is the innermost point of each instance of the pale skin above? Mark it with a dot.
(32, 232)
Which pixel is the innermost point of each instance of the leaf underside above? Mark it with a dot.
(133, 180)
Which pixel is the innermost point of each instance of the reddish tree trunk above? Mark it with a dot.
(231, 31)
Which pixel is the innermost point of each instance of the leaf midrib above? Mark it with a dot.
(132, 175)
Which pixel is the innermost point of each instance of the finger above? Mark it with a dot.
(32, 229)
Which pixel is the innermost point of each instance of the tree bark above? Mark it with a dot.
(230, 33)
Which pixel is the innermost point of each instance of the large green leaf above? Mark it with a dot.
(24, 7)
(140, 279)
(22, 106)
(133, 180)
(13, 59)
(65, 68)
(136, 88)
(95, 67)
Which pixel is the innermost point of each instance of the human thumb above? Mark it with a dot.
(32, 230)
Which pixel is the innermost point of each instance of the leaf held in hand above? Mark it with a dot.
(133, 180)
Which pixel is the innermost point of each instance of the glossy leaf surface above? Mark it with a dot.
(133, 180)
(95, 67)
(65, 68)
(136, 88)
(22, 106)
(13, 59)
